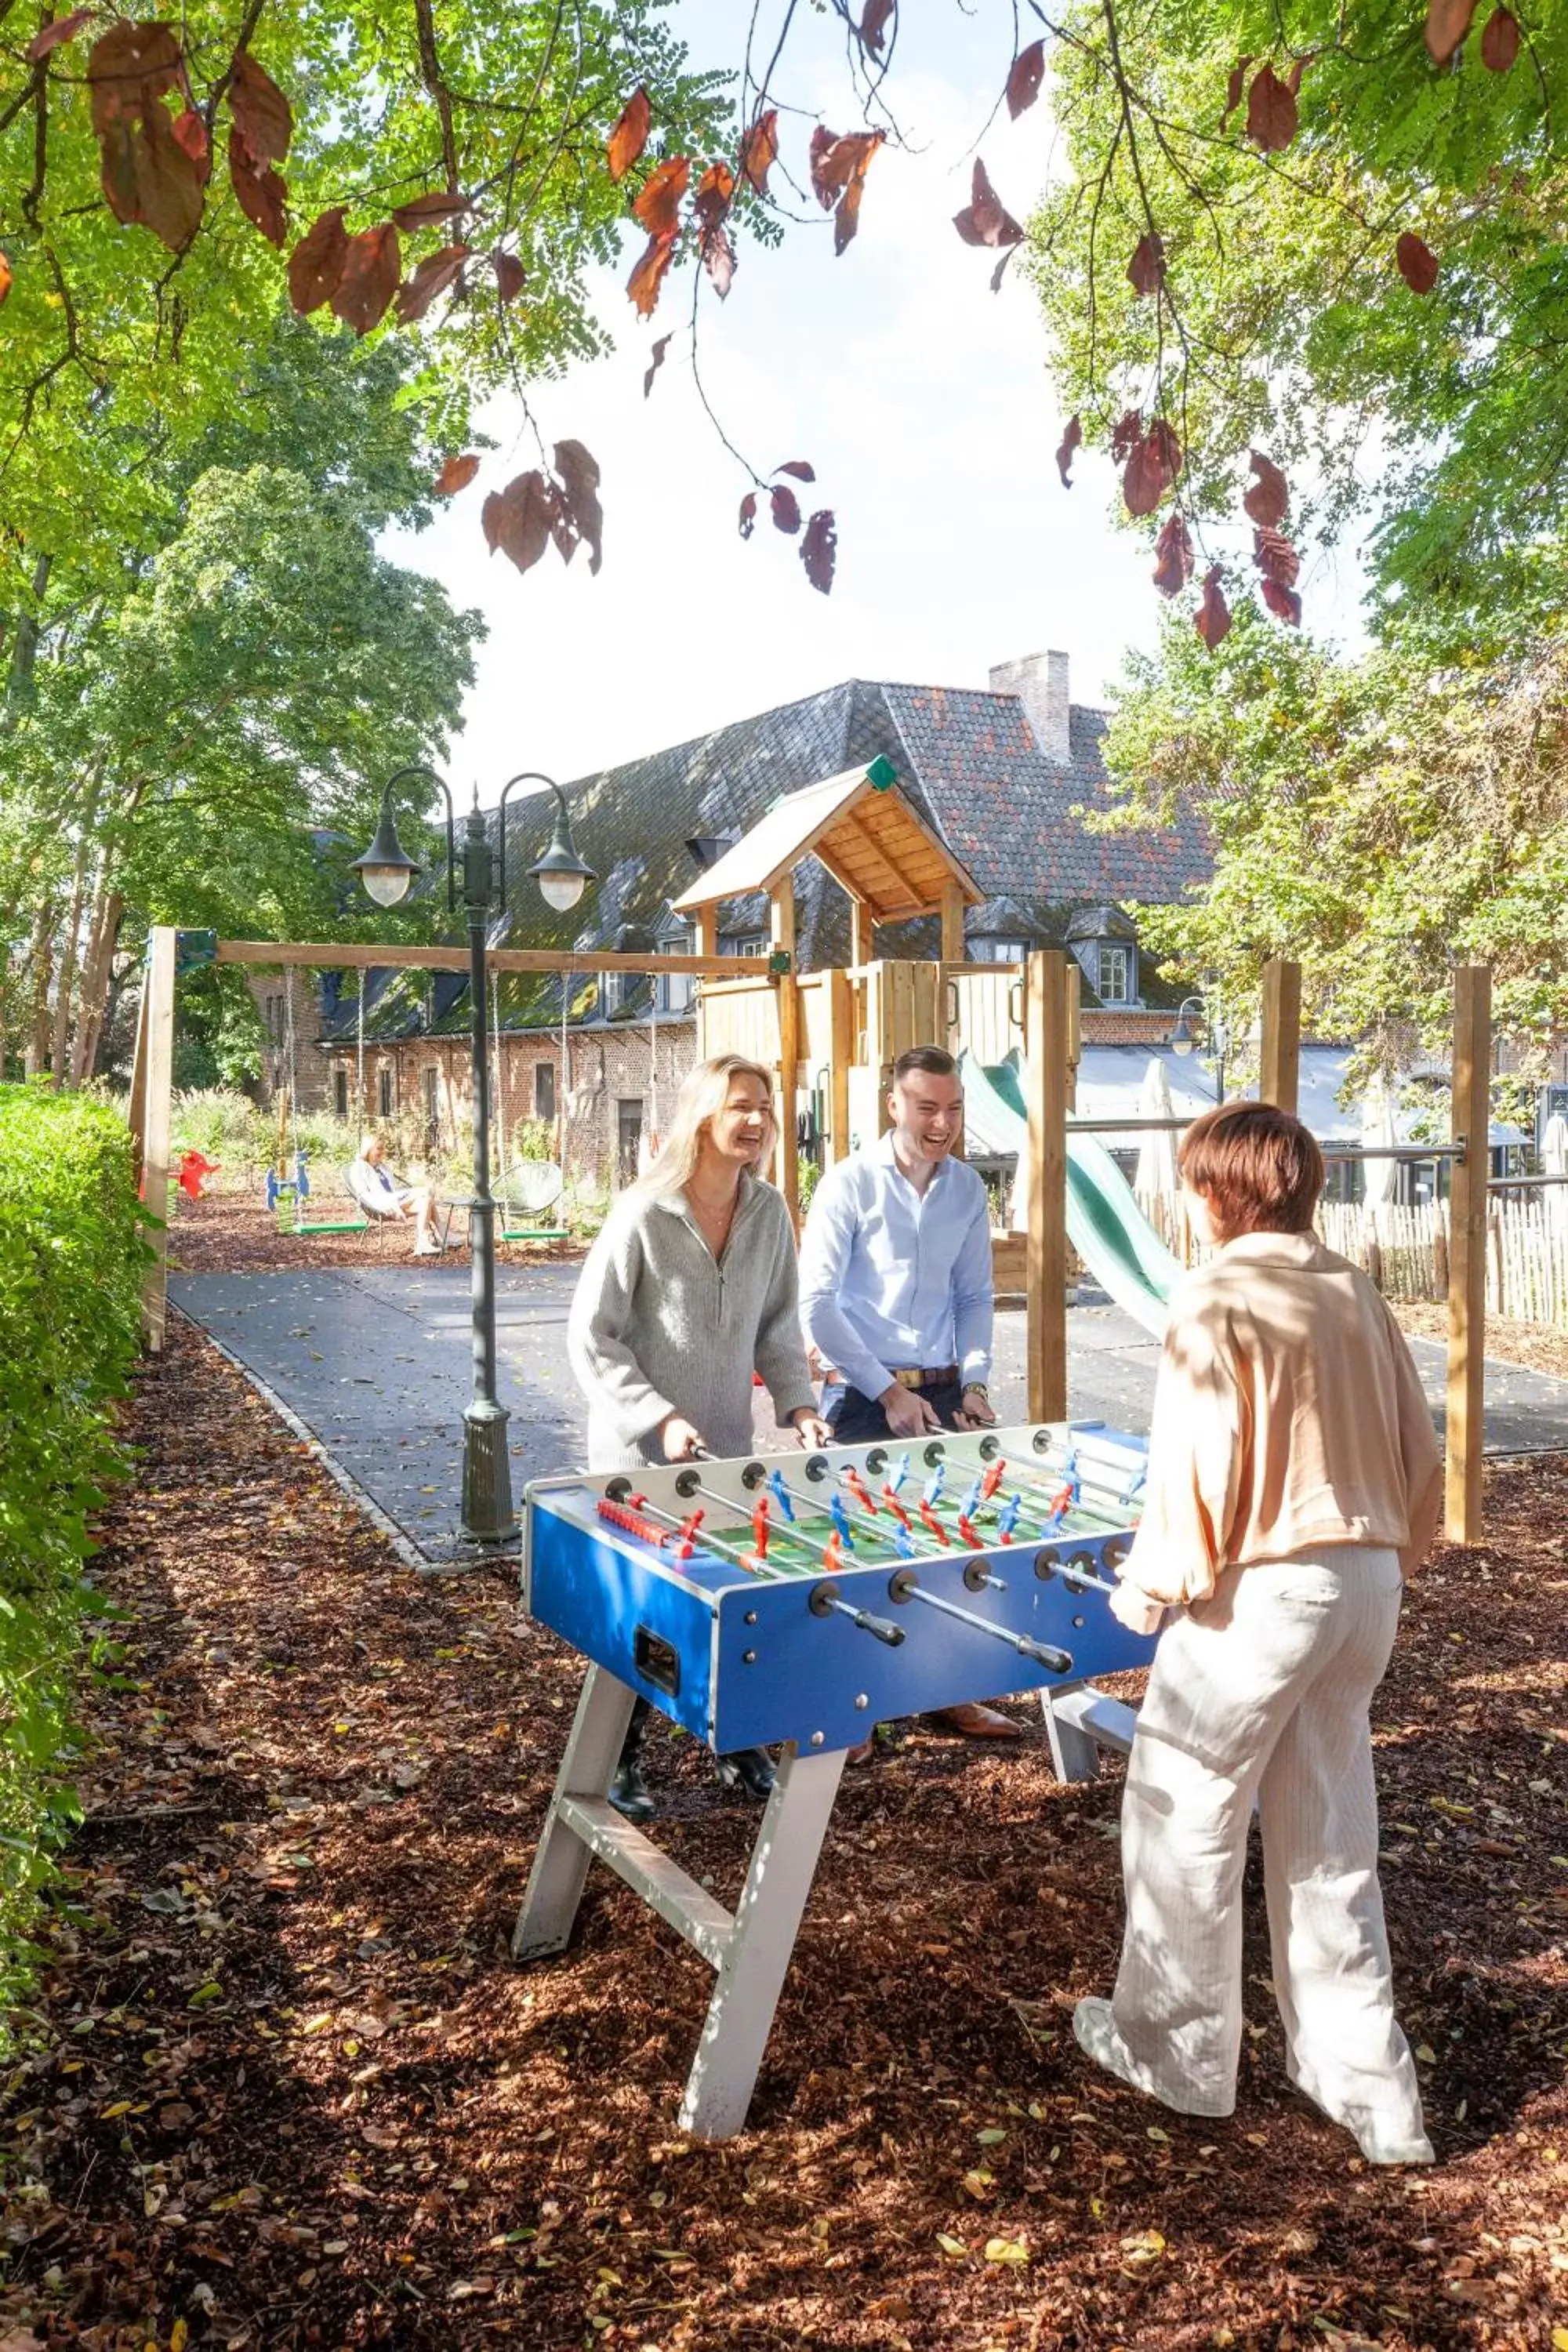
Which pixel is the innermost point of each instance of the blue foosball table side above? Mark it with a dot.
(796, 1600)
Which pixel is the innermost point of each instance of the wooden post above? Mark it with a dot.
(781, 910)
(136, 1108)
(1046, 1081)
(1470, 1121)
(707, 945)
(863, 950)
(159, 1071)
(840, 1053)
(951, 923)
(1279, 1078)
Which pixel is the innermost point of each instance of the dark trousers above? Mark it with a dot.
(860, 1420)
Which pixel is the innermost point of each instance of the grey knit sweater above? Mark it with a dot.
(657, 1327)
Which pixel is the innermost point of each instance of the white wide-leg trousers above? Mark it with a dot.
(1262, 1691)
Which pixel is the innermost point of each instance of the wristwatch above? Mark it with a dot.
(977, 1387)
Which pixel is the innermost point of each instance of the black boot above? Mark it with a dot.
(750, 1769)
(629, 1792)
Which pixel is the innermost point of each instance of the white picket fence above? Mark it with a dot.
(1405, 1250)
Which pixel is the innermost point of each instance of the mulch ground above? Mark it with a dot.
(289, 2089)
(233, 1233)
(1534, 1345)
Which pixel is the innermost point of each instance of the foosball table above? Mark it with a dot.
(797, 1600)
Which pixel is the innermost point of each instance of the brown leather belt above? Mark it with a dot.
(919, 1376)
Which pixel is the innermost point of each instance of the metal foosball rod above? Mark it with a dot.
(923, 1539)
(824, 1601)
(1045, 1653)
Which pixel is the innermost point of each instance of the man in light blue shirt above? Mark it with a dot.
(895, 1287)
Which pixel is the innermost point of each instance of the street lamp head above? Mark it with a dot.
(561, 874)
(386, 869)
(1184, 1036)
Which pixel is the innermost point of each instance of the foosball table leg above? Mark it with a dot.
(757, 1951)
(1079, 1721)
(561, 1866)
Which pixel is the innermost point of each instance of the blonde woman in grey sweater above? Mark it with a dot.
(689, 1288)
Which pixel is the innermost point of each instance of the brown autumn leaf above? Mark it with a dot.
(629, 136)
(64, 28)
(647, 275)
(1071, 440)
(148, 176)
(1173, 555)
(657, 205)
(1447, 22)
(715, 192)
(759, 150)
(846, 213)
(456, 474)
(424, 212)
(747, 514)
(1024, 81)
(1212, 619)
(1272, 112)
(373, 266)
(130, 67)
(521, 518)
(511, 275)
(819, 550)
(1499, 41)
(1146, 270)
(1275, 557)
(654, 362)
(874, 23)
(835, 161)
(1234, 88)
(800, 467)
(4, 278)
(786, 508)
(191, 133)
(1282, 601)
(316, 264)
(263, 192)
(1152, 468)
(579, 477)
(1297, 67)
(1267, 499)
(435, 274)
(1126, 433)
(261, 113)
(986, 220)
(1417, 263)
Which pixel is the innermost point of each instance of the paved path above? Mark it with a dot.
(375, 1362)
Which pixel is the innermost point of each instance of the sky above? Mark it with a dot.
(923, 400)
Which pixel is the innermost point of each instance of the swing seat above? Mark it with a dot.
(528, 1192)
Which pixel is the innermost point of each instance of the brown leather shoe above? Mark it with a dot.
(977, 1722)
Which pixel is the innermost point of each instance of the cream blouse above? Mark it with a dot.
(1288, 1414)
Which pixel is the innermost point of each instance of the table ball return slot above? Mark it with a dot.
(796, 1600)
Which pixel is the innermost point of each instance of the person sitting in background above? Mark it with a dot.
(1294, 1481)
(382, 1192)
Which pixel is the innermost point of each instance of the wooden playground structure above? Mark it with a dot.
(832, 1036)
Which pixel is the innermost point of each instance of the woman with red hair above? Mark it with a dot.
(1294, 1480)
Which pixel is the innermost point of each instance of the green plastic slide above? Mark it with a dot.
(1105, 1225)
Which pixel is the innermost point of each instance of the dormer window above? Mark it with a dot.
(1115, 986)
(1105, 944)
(675, 992)
(996, 950)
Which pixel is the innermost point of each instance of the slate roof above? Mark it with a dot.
(967, 761)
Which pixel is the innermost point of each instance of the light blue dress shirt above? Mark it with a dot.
(892, 1278)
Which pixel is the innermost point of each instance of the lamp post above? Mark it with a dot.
(1184, 1036)
(387, 871)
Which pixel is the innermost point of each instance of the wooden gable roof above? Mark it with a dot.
(862, 829)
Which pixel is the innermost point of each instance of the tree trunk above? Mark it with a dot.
(107, 914)
(65, 983)
(24, 650)
(41, 958)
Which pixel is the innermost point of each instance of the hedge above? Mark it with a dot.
(71, 1258)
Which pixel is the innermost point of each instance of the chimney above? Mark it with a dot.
(1040, 683)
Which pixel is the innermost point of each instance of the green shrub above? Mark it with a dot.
(72, 1256)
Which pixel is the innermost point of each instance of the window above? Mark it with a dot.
(383, 1091)
(999, 950)
(544, 1090)
(340, 1093)
(628, 1138)
(1115, 982)
(753, 943)
(675, 992)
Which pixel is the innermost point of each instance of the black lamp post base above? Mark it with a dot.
(488, 1513)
